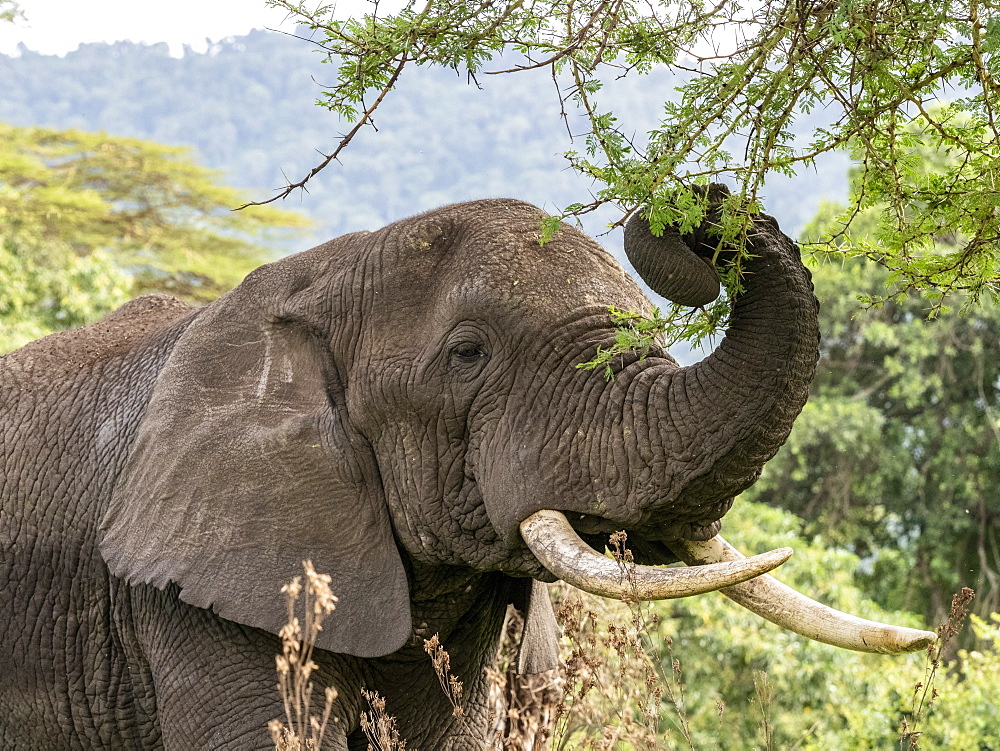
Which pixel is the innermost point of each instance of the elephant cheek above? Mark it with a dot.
(510, 488)
(519, 474)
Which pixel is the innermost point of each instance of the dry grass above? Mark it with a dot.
(610, 692)
(301, 729)
(606, 695)
(522, 707)
(924, 693)
(379, 726)
(763, 696)
(613, 688)
(451, 686)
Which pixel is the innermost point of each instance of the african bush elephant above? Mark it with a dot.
(403, 408)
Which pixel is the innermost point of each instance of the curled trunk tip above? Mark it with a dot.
(668, 265)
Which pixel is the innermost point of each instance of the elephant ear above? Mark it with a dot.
(246, 464)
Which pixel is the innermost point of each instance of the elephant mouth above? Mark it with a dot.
(712, 565)
(594, 529)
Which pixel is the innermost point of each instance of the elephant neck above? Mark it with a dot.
(84, 391)
(443, 599)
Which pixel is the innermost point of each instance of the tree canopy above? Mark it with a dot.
(88, 220)
(746, 76)
(9, 10)
(897, 453)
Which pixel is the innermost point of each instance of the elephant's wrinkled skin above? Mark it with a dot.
(391, 405)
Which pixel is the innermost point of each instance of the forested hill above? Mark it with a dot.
(247, 106)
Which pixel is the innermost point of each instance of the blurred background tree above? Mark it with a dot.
(9, 11)
(89, 220)
(897, 453)
(730, 680)
(896, 456)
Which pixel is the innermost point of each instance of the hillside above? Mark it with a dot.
(247, 106)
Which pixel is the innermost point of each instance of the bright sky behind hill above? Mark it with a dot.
(59, 26)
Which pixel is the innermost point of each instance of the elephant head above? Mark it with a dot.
(410, 397)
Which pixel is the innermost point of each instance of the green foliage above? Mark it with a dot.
(730, 680)
(87, 220)
(754, 76)
(9, 11)
(823, 697)
(48, 287)
(897, 453)
(967, 714)
(636, 333)
(924, 216)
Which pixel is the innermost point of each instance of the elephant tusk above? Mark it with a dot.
(558, 547)
(782, 605)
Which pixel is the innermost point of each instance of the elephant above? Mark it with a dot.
(402, 407)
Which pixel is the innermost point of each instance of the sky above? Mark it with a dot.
(60, 26)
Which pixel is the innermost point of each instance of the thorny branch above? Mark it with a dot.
(747, 77)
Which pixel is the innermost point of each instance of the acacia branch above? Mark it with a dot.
(578, 40)
(362, 121)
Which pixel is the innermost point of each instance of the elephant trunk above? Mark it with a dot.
(706, 430)
(686, 441)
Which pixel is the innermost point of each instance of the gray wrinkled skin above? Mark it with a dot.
(390, 405)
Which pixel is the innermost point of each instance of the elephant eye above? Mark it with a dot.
(469, 352)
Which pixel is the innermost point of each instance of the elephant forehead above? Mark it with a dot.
(517, 274)
(487, 257)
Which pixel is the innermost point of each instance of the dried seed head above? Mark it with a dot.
(319, 587)
(293, 588)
